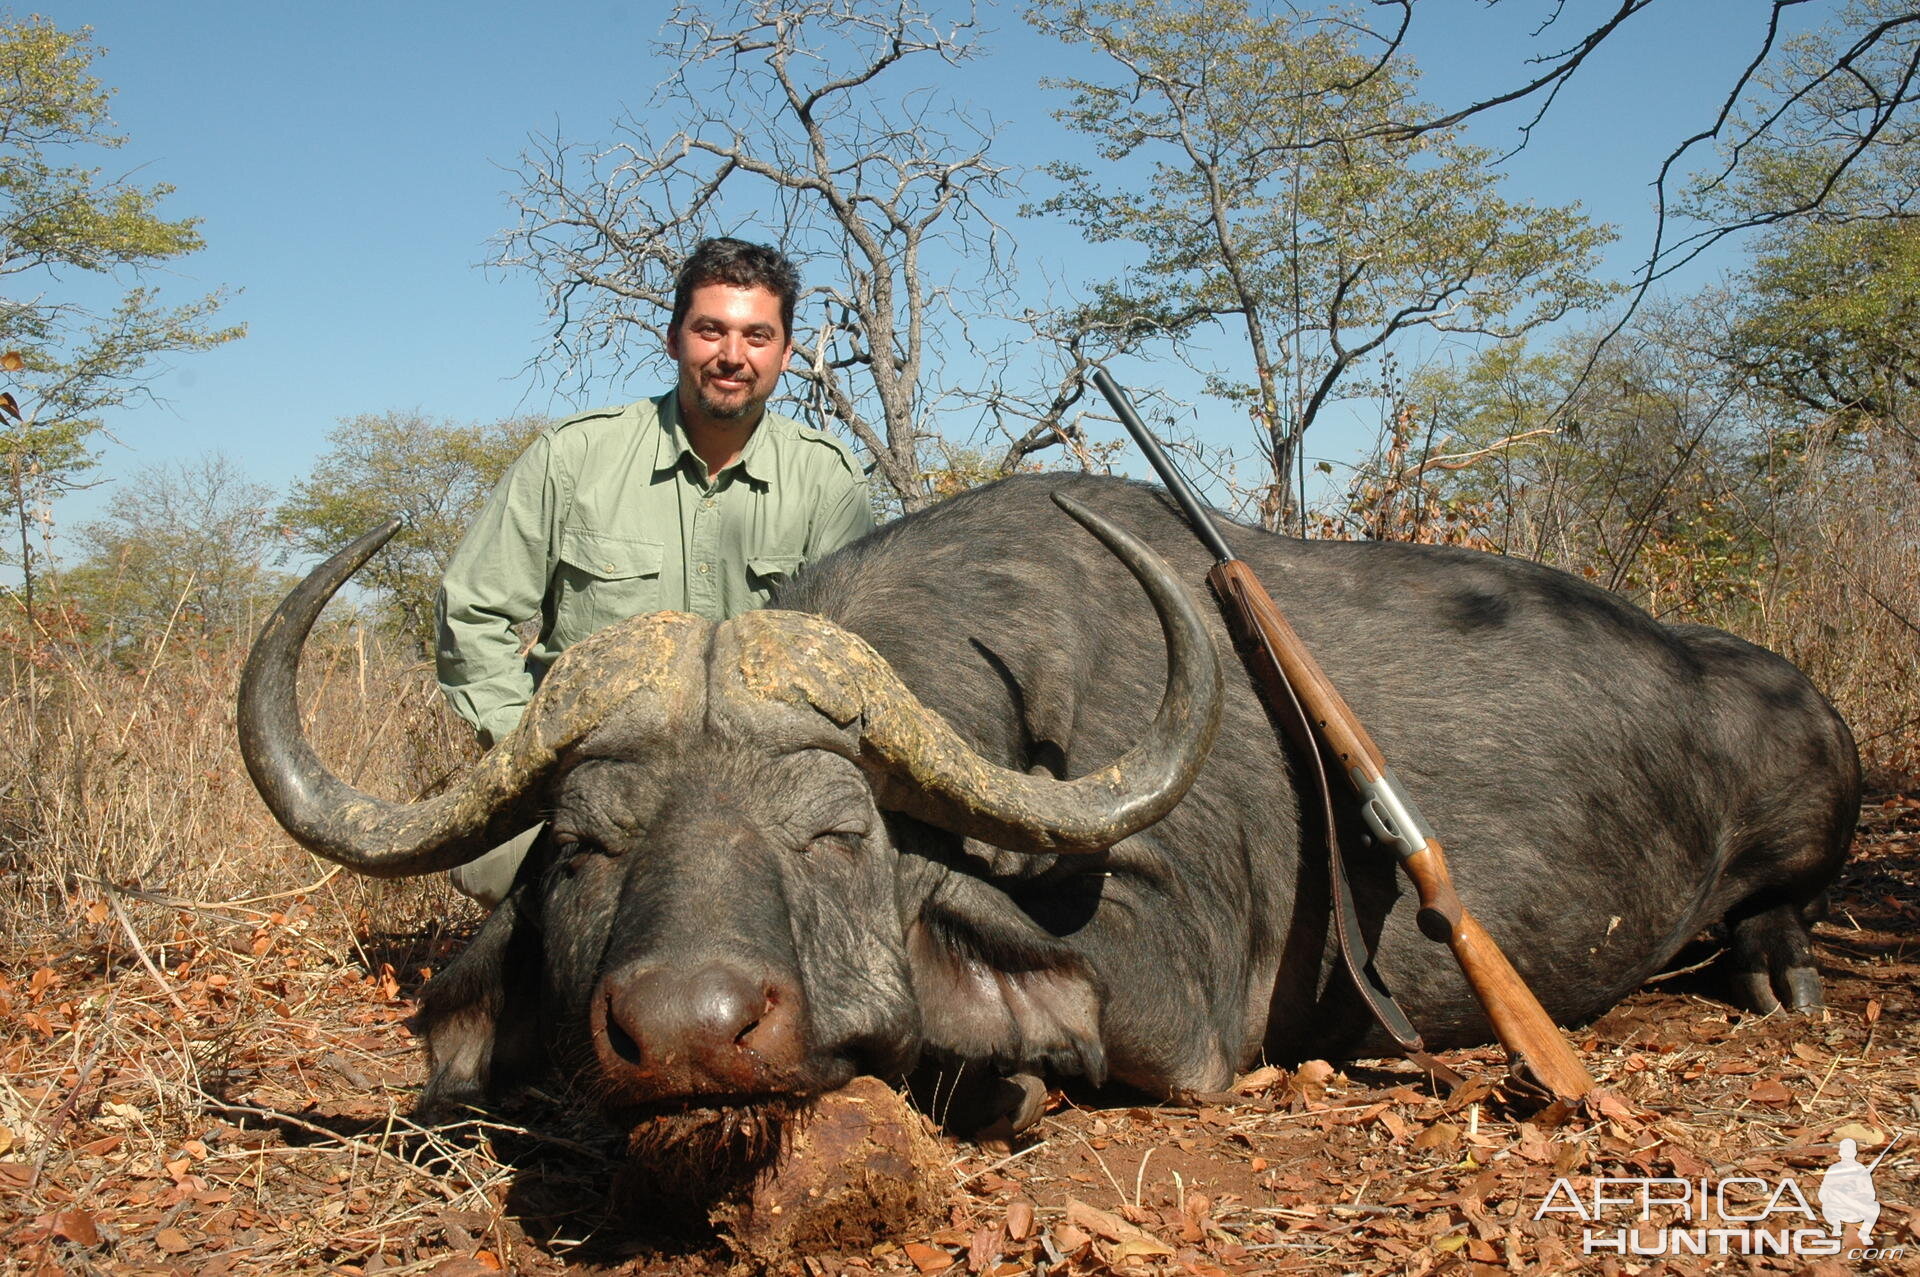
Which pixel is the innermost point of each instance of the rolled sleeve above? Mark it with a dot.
(497, 580)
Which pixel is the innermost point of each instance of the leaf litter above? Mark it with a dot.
(221, 1090)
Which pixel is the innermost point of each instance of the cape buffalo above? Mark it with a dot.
(885, 825)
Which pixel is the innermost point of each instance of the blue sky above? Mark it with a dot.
(351, 161)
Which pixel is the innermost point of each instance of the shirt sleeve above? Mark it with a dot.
(840, 520)
(496, 580)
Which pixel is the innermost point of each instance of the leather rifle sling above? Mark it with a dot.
(1319, 818)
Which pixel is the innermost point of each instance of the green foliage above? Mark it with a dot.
(1271, 190)
(1636, 465)
(181, 551)
(58, 215)
(433, 473)
(1829, 321)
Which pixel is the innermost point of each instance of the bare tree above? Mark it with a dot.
(818, 125)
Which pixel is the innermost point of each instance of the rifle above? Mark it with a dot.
(1285, 669)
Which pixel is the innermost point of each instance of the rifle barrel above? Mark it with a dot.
(1176, 482)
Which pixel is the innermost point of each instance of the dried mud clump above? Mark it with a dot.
(857, 1168)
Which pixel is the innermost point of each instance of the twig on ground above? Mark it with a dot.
(140, 952)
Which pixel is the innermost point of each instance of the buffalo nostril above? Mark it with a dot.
(620, 1040)
(766, 1009)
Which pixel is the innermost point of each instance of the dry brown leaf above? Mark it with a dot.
(1362, 1118)
(1311, 1076)
(173, 1241)
(928, 1259)
(1259, 1080)
(1141, 1247)
(1685, 1164)
(1608, 1103)
(1532, 1144)
(985, 1247)
(76, 1226)
(13, 361)
(1769, 1091)
(1097, 1221)
(1067, 1238)
(461, 1266)
(1019, 1219)
(1128, 1241)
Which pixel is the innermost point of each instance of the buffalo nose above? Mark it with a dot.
(718, 1029)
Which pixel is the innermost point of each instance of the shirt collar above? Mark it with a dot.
(674, 449)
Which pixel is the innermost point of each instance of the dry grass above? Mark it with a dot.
(1846, 609)
(127, 773)
(173, 966)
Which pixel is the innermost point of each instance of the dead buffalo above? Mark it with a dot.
(929, 813)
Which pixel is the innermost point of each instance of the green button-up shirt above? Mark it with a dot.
(611, 514)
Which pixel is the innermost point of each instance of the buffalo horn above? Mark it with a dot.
(389, 839)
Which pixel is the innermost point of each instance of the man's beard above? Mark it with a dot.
(745, 408)
(718, 410)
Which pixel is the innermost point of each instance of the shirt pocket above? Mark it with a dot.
(603, 579)
(766, 572)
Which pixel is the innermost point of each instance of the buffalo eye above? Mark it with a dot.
(572, 850)
(846, 842)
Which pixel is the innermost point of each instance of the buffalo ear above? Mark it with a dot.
(1000, 991)
(482, 1015)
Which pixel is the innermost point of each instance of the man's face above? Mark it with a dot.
(731, 348)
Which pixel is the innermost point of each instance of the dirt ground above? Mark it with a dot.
(232, 1098)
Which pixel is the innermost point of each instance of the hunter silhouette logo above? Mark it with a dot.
(1737, 1215)
(1846, 1192)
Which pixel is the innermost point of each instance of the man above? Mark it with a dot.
(697, 501)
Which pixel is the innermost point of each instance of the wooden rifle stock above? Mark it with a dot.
(1519, 1021)
(1279, 660)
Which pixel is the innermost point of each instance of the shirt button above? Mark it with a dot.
(703, 569)
(706, 505)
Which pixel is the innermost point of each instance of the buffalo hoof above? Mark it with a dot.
(973, 1102)
(1772, 962)
(1015, 1103)
(1803, 989)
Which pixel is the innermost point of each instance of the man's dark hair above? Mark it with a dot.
(743, 265)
